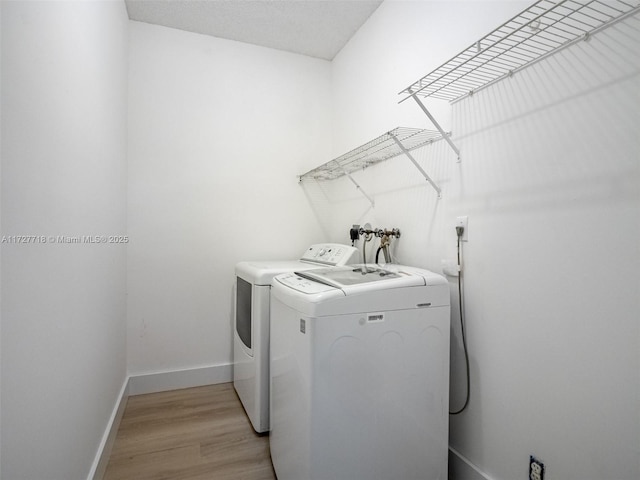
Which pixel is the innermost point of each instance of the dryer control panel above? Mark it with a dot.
(331, 254)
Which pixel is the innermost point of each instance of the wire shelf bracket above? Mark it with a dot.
(417, 165)
(373, 204)
(438, 127)
(401, 140)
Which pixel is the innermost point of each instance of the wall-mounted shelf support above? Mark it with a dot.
(437, 125)
(359, 188)
(400, 140)
(420, 169)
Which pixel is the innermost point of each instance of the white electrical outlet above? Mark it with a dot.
(464, 223)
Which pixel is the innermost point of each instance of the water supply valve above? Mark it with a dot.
(383, 232)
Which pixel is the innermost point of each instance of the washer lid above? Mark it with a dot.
(358, 278)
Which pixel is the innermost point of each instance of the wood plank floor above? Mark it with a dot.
(194, 433)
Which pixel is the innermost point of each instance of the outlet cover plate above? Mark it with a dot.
(464, 223)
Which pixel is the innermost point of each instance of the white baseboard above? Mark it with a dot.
(108, 438)
(461, 468)
(176, 379)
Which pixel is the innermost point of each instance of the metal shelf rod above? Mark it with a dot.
(359, 188)
(437, 125)
(417, 165)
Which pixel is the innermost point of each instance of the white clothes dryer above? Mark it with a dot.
(360, 374)
(251, 323)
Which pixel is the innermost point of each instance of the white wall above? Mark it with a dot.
(0, 249)
(63, 173)
(218, 132)
(549, 179)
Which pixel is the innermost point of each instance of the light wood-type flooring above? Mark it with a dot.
(191, 434)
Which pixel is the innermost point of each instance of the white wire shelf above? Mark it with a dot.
(377, 150)
(542, 29)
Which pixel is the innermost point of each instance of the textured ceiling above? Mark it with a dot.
(317, 28)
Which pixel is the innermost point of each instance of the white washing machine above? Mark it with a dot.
(251, 329)
(360, 374)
